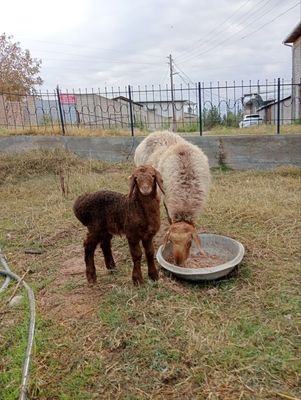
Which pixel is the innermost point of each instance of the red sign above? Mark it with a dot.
(68, 98)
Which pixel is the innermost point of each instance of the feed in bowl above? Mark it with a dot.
(229, 250)
(200, 261)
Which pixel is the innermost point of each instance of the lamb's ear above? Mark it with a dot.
(197, 241)
(159, 181)
(132, 184)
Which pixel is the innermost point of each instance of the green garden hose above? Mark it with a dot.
(10, 275)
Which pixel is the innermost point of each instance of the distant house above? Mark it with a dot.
(290, 106)
(11, 114)
(268, 112)
(126, 100)
(294, 41)
(78, 109)
(185, 110)
(31, 110)
(252, 101)
(142, 116)
(98, 111)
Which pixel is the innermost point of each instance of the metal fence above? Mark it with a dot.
(191, 108)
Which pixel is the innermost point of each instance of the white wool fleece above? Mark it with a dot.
(184, 169)
(150, 150)
(186, 178)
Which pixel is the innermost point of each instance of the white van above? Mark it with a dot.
(250, 120)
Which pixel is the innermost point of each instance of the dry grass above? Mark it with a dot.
(56, 130)
(255, 130)
(236, 338)
(81, 131)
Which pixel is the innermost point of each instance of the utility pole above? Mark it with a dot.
(174, 122)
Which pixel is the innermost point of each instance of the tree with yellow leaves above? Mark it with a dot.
(19, 72)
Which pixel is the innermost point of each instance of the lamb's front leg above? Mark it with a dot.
(105, 245)
(136, 254)
(89, 245)
(149, 253)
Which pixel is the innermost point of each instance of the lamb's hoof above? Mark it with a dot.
(137, 281)
(91, 280)
(154, 275)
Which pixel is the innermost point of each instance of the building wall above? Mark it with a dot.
(149, 119)
(40, 111)
(11, 112)
(98, 111)
(239, 152)
(88, 110)
(297, 61)
(269, 113)
(297, 78)
(165, 110)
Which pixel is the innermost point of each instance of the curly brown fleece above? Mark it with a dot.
(135, 215)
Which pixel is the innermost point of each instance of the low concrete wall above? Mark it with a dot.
(238, 152)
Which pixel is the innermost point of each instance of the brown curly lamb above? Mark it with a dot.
(136, 215)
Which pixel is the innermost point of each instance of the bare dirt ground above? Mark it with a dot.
(83, 300)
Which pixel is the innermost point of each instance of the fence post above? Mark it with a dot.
(60, 109)
(278, 106)
(131, 111)
(200, 109)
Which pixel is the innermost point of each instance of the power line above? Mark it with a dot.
(209, 34)
(262, 26)
(184, 73)
(252, 21)
(234, 34)
(220, 31)
(208, 92)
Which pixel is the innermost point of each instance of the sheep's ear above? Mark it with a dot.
(159, 181)
(198, 243)
(132, 183)
(167, 213)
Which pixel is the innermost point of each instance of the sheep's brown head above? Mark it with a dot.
(181, 235)
(145, 178)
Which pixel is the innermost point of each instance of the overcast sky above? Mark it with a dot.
(93, 44)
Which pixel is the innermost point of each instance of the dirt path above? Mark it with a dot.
(69, 297)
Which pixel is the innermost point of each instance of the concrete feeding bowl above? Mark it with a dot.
(224, 247)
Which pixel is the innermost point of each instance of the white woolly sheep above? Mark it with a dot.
(186, 176)
(149, 151)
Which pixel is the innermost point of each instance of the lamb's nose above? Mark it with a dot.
(145, 189)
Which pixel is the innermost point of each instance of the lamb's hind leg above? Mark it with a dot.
(136, 254)
(90, 244)
(106, 247)
(149, 253)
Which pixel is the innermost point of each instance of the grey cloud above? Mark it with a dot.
(127, 42)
